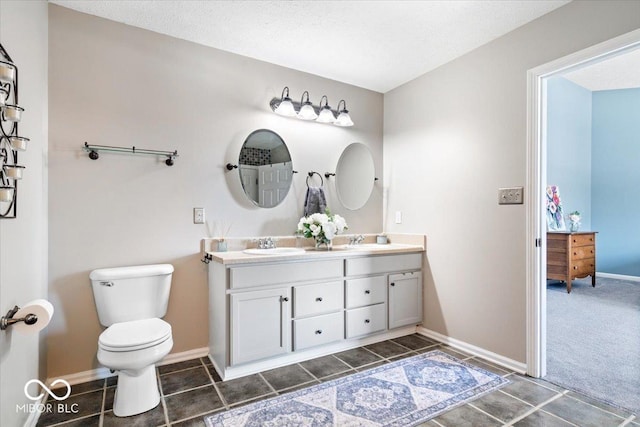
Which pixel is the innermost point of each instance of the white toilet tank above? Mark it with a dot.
(123, 294)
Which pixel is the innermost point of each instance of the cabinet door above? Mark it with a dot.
(260, 324)
(405, 299)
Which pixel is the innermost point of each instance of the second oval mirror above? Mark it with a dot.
(265, 168)
(355, 175)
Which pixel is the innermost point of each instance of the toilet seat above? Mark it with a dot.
(134, 335)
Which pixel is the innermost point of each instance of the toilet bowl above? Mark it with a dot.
(133, 348)
(130, 301)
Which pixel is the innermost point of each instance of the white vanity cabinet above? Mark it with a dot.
(269, 312)
(405, 299)
(260, 324)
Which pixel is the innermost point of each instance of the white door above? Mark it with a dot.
(405, 299)
(249, 180)
(274, 182)
(260, 324)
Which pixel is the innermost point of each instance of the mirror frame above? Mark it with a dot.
(289, 168)
(345, 171)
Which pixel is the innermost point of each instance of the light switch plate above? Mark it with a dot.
(510, 196)
(398, 217)
(198, 215)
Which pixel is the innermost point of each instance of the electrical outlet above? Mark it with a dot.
(510, 196)
(198, 215)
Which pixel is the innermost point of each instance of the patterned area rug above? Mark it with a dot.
(403, 393)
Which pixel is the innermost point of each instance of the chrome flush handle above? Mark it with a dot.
(109, 284)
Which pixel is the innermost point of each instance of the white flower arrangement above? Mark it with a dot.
(322, 227)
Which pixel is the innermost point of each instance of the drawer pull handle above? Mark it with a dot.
(284, 299)
(575, 267)
(575, 253)
(367, 321)
(392, 284)
(367, 292)
(319, 299)
(319, 331)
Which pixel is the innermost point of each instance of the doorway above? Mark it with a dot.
(538, 79)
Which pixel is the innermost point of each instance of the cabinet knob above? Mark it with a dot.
(575, 267)
(319, 299)
(367, 321)
(285, 299)
(367, 292)
(319, 331)
(392, 284)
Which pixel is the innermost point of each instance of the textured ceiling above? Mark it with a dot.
(619, 72)
(377, 45)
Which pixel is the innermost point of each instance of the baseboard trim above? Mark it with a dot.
(499, 360)
(101, 373)
(618, 276)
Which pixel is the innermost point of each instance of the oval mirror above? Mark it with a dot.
(355, 176)
(265, 168)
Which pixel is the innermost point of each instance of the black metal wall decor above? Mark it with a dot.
(10, 140)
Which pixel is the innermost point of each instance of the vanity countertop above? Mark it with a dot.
(339, 251)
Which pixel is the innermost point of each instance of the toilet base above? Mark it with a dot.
(136, 392)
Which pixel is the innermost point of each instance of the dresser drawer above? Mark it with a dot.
(270, 274)
(382, 264)
(582, 239)
(309, 300)
(366, 320)
(318, 330)
(366, 291)
(582, 252)
(583, 267)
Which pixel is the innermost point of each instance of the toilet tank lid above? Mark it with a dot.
(131, 272)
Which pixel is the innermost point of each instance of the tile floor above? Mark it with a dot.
(192, 389)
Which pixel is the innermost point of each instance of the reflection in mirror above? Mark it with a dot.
(355, 176)
(265, 168)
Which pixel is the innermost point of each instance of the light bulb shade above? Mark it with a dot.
(343, 119)
(307, 112)
(286, 108)
(326, 115)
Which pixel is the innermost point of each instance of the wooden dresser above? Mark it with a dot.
(571, 255)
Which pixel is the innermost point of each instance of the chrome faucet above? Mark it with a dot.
(356, 240)
(266, 243)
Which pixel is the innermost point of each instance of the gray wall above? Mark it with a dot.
(111, 84)
(23, 241)
(452, 137)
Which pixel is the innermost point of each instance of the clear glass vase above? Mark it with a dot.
(322, 243)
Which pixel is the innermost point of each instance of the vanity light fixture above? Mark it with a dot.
(10, 143)
(285, 106)
(305, 110)
(343, 116)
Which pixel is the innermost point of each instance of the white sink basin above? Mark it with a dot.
(275, 251)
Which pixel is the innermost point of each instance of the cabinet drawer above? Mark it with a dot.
(318, 298)
(271, 274)
(382, 264)
(583, 267)
(318, 330)
(366, 320)
(583, 239)
(366, 291)
(582, 252)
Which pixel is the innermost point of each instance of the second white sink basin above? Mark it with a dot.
(274, 251)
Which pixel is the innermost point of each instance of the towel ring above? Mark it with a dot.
(311, 175)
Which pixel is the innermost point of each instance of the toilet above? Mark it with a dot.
(131, 301)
